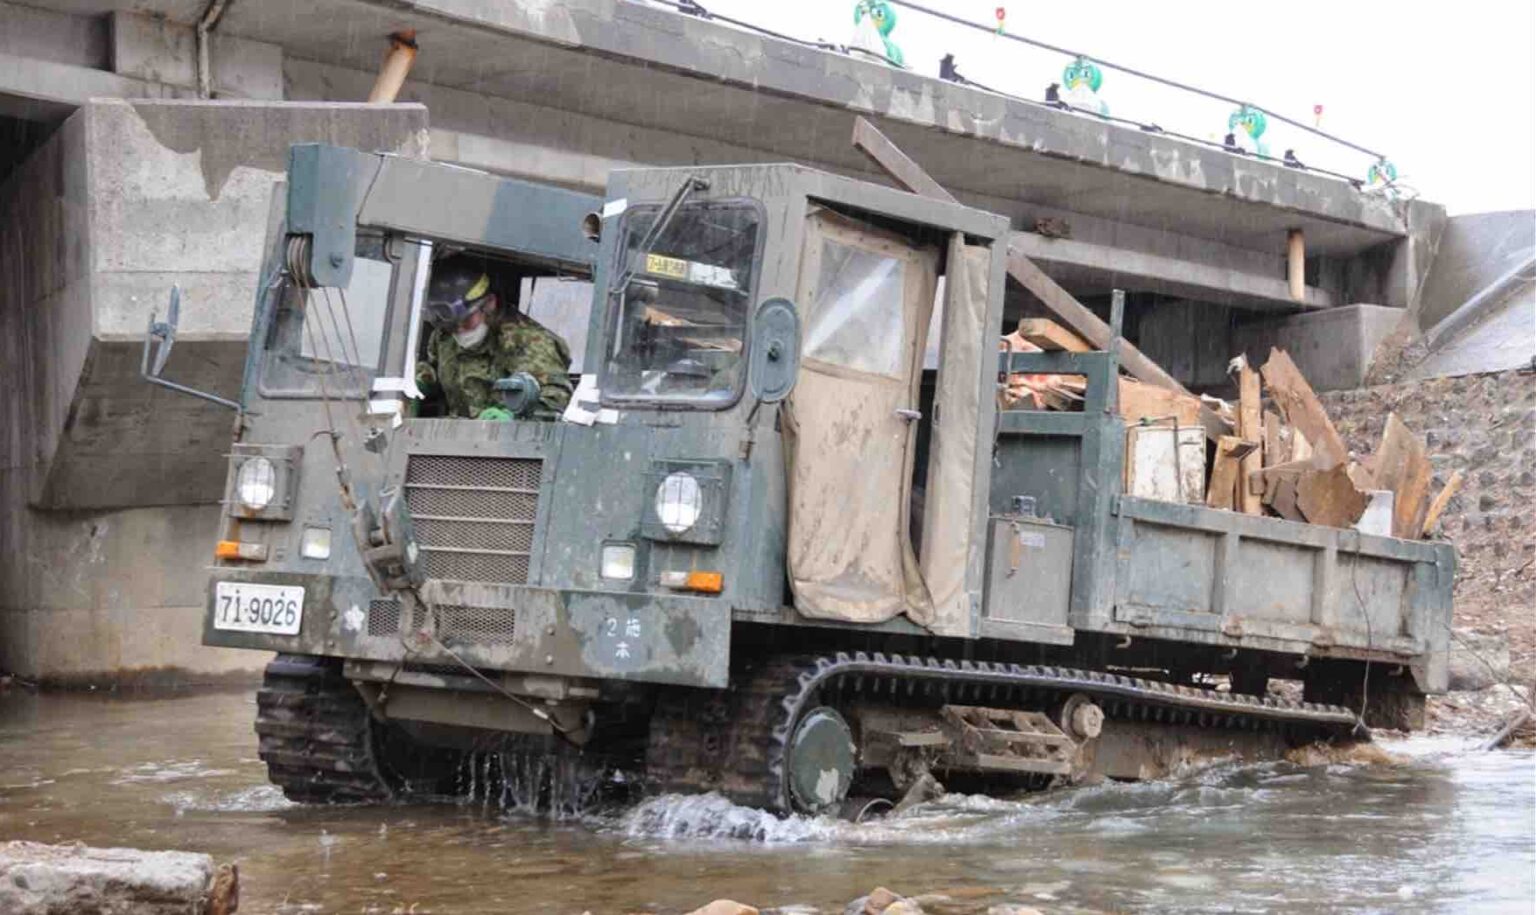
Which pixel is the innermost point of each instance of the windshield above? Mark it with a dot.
(681, 320)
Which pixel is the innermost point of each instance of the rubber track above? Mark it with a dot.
(314, 735)
(751, 737)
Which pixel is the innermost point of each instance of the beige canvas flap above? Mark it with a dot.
(948, 521)
(865, 296)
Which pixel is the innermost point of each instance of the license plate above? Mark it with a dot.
(245, 607)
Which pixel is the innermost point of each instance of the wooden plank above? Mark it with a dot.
(1402, 466)
(1140, 401)
(1328, 497)
(889, 157)
(1301, 449)
(1224, 472)
(1250, 426)
(1283, 501)
(1278, 485)
(1276, 450)
(1301, 408)
(1437, 507)
(1052, 337)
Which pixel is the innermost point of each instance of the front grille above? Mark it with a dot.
(474, 516)
(454, 621)
(383, 617)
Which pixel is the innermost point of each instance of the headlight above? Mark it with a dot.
(679, 502)
(256, 483)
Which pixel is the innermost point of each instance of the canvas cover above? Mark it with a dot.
(949, 528)
(866, 296)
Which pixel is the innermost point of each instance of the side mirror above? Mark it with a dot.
(164, 333)
(774, 360)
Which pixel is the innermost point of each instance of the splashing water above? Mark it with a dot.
(711, 816)
(532, 782)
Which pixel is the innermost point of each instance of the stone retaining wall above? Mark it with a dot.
(1484, 426)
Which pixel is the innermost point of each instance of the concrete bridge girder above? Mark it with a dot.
(676, 89)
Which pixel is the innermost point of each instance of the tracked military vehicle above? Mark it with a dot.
(783, 544)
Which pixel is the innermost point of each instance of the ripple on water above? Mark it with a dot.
(255, 799)
(150, 773)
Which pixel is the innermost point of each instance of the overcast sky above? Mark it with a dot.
(1446, 89)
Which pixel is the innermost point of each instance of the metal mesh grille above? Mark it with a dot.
(473, 535)
(476, 567)
(481, 624)
(471, 503)
(474, 516)
(502, 473)
(383, 617)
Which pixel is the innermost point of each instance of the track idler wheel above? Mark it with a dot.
(820, 760)
(1081, 718)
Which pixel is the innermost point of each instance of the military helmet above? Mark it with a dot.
(455, 291)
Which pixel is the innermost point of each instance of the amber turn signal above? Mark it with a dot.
(708, 582)
(234, 549)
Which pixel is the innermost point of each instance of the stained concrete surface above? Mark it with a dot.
(123, 201)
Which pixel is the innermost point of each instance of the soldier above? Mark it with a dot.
(473, 345)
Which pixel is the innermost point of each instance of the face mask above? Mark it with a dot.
(469, 339)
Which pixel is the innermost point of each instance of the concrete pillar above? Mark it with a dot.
(108, 485)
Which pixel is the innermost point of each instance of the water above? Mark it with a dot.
(1449, 830)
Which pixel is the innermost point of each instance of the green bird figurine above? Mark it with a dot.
(1081, 80)
(1250, 122)
(874, 20)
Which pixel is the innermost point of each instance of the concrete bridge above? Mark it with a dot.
(109, 488)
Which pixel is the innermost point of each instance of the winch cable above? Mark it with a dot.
(343, 475)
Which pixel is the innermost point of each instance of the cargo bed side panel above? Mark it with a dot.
(1197, 574)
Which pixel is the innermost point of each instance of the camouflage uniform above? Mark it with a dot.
(465, 377)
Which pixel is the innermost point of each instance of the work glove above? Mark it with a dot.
(425, 376)
(495, 414)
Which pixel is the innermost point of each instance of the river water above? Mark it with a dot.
(1447, 830)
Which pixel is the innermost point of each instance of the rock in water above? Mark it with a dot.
(725, 907)
(38, 879)
(1478, 661)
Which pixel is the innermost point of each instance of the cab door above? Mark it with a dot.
(851, 423)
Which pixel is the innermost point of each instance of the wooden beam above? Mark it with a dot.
(1301, 408)
(1402, 466)
(1052, 337)
(907, 173)
(889, 157)
(1275, 451)
(1437, 507)
(1224, 472)
(1079, 318)
(1329, 497)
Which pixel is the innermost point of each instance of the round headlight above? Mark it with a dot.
(679, 502)
(256, 483)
